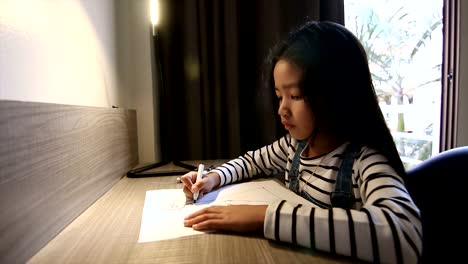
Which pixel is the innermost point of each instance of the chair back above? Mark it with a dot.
(439, 188)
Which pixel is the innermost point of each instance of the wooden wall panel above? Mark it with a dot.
(55, 161)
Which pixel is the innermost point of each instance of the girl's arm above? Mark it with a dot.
(267, 160)
(386, 228)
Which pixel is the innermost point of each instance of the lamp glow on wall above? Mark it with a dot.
(160, 101)
(154, 11)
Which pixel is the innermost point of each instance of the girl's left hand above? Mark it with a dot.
(238, 218)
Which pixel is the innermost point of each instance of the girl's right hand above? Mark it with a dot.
(205, 185)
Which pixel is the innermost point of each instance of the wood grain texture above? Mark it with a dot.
(108, 233)
(56, 160)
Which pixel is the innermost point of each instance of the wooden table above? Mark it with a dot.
(108, 231)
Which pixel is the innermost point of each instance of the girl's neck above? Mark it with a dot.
(322, 145)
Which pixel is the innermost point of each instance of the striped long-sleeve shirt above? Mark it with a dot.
(384, 224)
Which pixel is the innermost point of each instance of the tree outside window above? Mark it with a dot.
(403, 42)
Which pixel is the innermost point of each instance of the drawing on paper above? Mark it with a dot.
(165, 209)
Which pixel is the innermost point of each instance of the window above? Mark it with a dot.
(403, 41)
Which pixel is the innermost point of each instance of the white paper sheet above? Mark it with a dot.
(164, 210)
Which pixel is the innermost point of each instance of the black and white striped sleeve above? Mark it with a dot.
(266, 160)
(386, 228)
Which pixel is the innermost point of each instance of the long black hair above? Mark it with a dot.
(337, 84)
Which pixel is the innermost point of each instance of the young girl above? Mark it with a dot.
(327, 103)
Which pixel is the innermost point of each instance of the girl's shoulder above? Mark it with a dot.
(360, 152)
(369, 153)
(288, 141)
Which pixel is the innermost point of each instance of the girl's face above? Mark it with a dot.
(295, 112)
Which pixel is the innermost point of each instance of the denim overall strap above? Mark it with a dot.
(294, 170)
(343, 195)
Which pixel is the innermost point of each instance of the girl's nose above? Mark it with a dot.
(283, 110)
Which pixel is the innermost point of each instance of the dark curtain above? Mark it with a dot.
(211, 101)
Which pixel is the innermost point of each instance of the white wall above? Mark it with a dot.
(74, 52)
(135, 70)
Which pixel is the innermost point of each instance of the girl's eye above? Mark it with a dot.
(291, 97)
(296, 97)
